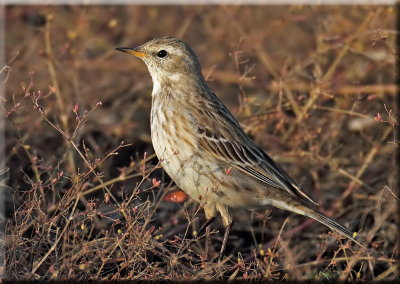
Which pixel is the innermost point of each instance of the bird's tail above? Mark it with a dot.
(327, 221)
(333, 225)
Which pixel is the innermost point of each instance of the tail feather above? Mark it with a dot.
(323, 219)
(333, 225)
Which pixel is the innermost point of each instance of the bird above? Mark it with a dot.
(203, 148)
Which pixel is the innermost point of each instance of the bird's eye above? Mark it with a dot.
(162, 53)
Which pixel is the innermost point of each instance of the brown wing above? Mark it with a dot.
(228, 142)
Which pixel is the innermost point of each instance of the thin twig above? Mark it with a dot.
(53, 247)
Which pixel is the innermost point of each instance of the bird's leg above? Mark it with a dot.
(224, 241)
(201, 231)
(207, 244)
(206, 226)
(210, 215)
(227, 221)
(209, 210)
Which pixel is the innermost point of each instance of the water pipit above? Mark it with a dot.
(203, 148)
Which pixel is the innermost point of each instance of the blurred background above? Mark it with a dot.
(314, 86)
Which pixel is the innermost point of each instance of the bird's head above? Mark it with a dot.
(168, 58)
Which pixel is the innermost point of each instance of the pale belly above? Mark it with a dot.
(181, 162)
(180, 157)
(194, 171)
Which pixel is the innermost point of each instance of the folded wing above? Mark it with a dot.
(231, 145)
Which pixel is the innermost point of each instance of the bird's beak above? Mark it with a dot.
(133, 51)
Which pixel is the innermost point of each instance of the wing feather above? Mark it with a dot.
(233, 146)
